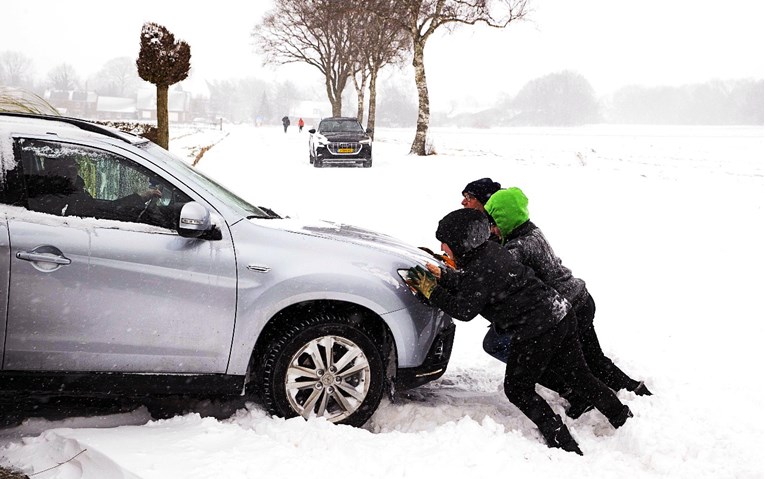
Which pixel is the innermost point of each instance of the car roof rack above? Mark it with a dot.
(86, 125)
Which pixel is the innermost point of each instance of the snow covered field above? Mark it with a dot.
(665, 225)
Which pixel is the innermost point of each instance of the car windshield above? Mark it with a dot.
(349, 125)
(209, 184)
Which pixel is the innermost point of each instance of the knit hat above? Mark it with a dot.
(482, 189)
(509, 208)
(463, 230)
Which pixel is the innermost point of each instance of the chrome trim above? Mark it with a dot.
(259, 268)
(43, 257)
(431, 373)
(334, 147)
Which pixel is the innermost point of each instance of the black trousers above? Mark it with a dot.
(600, 365)
(499, 345)
(559, 352)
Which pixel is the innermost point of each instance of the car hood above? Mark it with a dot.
(345, 136)
(349, 234)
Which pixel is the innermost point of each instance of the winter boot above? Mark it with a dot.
(641, 390)
(556, 434)
(619, 420)
(577, 408)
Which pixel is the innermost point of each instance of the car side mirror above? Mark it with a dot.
(312, 131)
(194, 220)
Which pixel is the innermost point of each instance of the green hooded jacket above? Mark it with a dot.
(509, 208)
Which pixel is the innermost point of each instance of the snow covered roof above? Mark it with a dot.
(176, 100)
(113, 104)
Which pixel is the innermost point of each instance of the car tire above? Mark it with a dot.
(299, 377)
(310, 156)
(367, 163)
(317, 162)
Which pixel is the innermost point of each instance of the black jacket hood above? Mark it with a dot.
(463, 231)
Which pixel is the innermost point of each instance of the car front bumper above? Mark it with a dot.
(329, 153)
(434, 365)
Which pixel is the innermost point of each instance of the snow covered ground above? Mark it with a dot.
(664, 224)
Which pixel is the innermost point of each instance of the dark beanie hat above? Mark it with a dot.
(463, 230)
(482, 189)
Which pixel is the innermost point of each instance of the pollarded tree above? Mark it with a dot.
(162, 61)
(315, 32)
(421, 18)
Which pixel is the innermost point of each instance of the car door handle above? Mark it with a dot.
(259, 268)
(43, 257)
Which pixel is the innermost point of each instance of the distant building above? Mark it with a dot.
(116, 108)
(178, 105)
(73, 102)
(182, 107)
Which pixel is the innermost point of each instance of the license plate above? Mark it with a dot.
(345, 150)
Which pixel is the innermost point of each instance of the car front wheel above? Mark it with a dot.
(324, 366)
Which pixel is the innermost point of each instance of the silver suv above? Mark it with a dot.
(127, 272)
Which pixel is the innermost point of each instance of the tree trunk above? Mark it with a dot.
(163, 126)
(360, 89)
(423, 114)
(337, 107)
(372, 102)
(335, 98)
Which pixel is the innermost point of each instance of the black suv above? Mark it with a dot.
(340, 140)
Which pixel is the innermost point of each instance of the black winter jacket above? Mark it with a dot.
(492, 283)
(528, 245)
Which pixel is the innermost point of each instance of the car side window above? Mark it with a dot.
(74, 180)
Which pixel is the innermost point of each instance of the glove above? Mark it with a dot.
(422, 280)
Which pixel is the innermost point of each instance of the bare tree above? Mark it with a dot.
(421, 18)
(118, 77)
(385, 43)
(163, 62)
(360, 78)
(314, 32)
(15, 69)
(63, 77)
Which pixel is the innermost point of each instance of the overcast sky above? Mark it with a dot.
(612, 43)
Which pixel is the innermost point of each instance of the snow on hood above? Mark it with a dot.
(350, 234)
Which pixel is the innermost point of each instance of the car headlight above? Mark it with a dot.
(368, 141)
(403, 274)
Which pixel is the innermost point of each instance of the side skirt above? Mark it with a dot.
(24, 383)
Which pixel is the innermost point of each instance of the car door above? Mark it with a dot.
(115, 289)
(5, 272)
